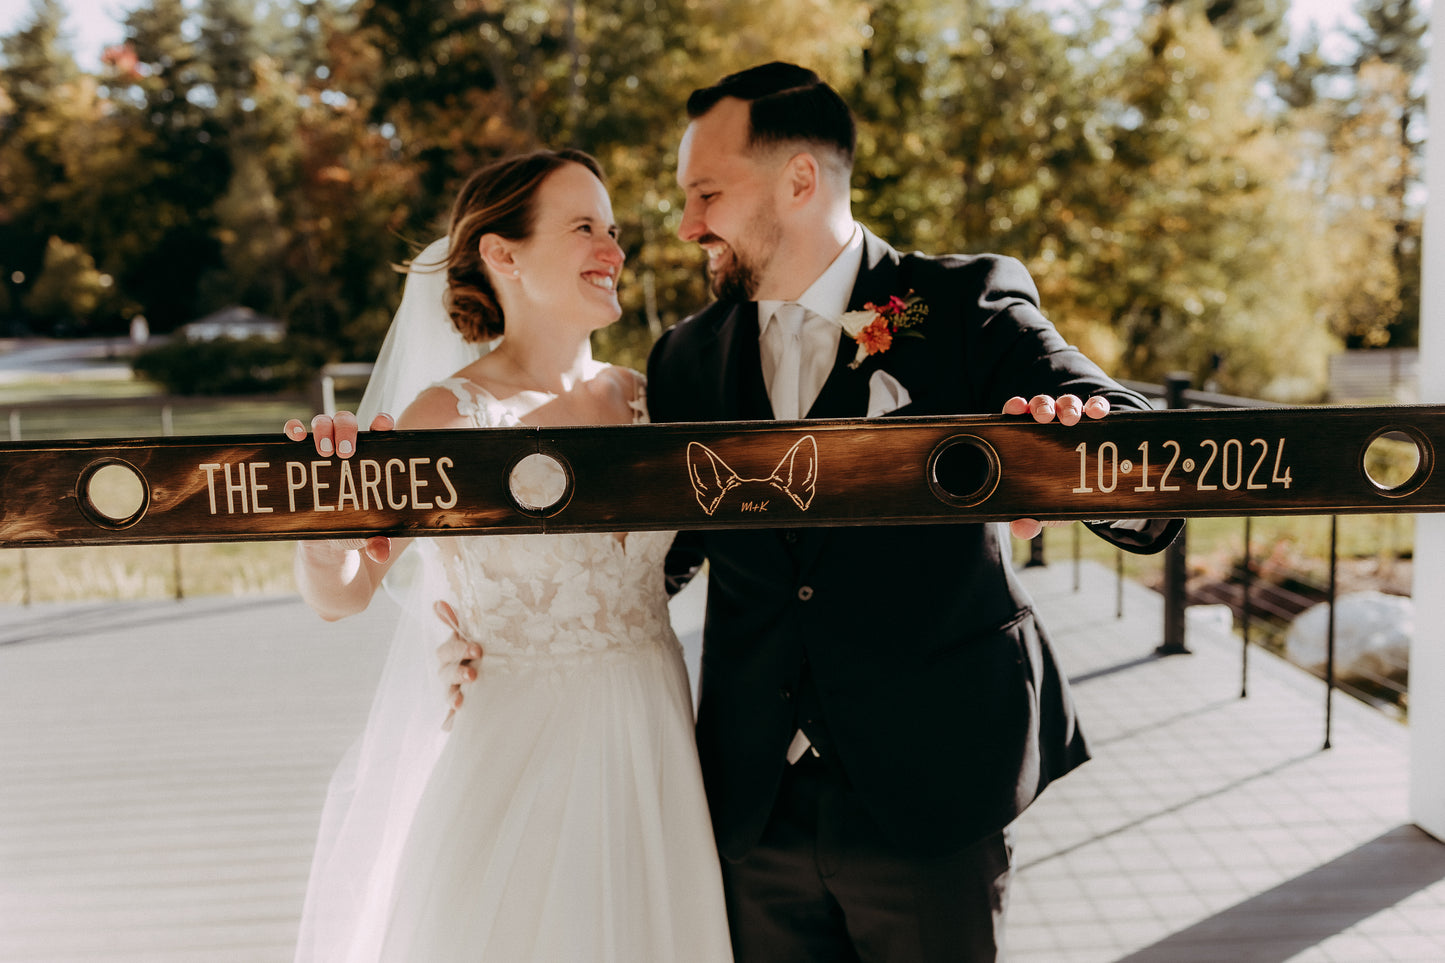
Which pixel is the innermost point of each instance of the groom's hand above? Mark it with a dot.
(336, 435)
(1070, 410)
(457, 657)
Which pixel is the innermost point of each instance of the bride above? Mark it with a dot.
(562, 817)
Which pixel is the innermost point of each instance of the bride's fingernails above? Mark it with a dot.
(325, 446)
(344, 447)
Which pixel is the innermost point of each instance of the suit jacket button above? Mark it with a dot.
(805, 593)
(791, 537)
(785, 694)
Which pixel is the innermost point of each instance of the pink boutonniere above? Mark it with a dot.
(874, 328)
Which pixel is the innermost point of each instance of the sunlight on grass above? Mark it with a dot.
(142, 571)
(145, 571)
(1217, 543)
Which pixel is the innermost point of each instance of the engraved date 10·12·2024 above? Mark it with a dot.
(1233, 464)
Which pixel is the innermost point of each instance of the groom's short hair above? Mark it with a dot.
(785, 103)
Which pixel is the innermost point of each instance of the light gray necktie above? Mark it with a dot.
(789, 318)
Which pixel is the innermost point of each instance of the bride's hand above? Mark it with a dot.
(336, 435)
(457, 657)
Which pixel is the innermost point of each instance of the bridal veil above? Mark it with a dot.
(374, 793)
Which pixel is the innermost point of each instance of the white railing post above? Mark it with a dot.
(1427, 652)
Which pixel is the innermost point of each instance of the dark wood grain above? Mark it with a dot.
(1232, 462)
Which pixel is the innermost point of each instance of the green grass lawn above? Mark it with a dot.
(142, 571)
(1214, 544)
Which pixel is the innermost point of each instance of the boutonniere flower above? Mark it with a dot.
(874, 328)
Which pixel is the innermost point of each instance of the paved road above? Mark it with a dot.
(95, 357)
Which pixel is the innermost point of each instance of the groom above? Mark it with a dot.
(877, 703)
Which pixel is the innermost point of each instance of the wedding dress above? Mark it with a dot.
(563, 818)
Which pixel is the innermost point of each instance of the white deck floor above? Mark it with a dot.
(162, 766)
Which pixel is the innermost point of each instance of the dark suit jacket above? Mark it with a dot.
(939, 693)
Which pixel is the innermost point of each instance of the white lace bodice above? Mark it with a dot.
(553, 596)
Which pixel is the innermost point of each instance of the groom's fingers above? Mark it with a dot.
(1040, 406)
(448, 615)
(1025, 528)
(1070, 409)
(457, 658)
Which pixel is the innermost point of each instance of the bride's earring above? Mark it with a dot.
(516, 274)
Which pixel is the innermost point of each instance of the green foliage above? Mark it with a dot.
(1390, 67)
(224, 366)
(1189, 191)
(69, 290)
(1258, 23)
(1209, 256)
(1141, 180)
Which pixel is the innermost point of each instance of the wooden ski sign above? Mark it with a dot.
(1151, 464)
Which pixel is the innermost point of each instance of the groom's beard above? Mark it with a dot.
(734, 281)
(738, 277)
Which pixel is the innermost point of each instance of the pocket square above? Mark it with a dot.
(885, 394)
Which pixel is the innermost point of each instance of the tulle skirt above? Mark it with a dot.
(564, 821)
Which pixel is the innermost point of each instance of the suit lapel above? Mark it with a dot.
(845, 393)
(878, 276)
(740, 392)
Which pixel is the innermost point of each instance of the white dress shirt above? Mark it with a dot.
(825, 300)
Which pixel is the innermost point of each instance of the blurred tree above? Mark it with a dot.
(69, 289)
(909, 176)
(1185, 186)
(1139, 179)
(1394, 35)
(248, 216)
(451, 88)
(1374, 236)
(346, 199)
(165, 105)
(252, 240)
(1202, 248)
(227, 50)
(36, 72)
(1260, 24)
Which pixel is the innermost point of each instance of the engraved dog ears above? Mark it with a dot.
(796, 476)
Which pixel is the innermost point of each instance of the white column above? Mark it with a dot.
(1427, 653)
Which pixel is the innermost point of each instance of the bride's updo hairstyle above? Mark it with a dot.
(500, 199)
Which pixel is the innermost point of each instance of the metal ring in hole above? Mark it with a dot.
(963, 470)
(540, 483)
(1397, 460)
(112, 493)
